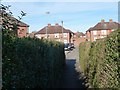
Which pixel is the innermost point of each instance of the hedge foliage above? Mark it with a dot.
(84, 59)
(28, 62)
(100, 61)
(31, 63)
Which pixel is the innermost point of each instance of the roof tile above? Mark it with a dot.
(53, 29)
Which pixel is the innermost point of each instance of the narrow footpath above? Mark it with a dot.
(70, 78)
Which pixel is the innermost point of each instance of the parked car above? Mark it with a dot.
(71, 45)
(68, 46)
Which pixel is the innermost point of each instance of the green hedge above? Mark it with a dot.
(31, 63)
(84, 56)
(101, 61)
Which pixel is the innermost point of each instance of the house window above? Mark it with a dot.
(94, 32)
(88, 39)
(38, 36)
(65, 41)
(21, 31)
(65, 34)
(102, 37)
(58, 40)
(103, 32)
(56, 35)
(112, 30)
(95, 38)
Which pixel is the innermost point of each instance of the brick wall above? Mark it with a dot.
(77, 40)
(57, 38)
(22, 31)
(97, 34)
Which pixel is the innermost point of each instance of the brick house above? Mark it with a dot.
(56, 32)
(101, 30)
(32, 34)
(22, 28)
(78, 38)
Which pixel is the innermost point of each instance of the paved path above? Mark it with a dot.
(70, 78)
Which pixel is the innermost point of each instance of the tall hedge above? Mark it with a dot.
(28, 62)
(31, 63)
(101, 61)
(96, 56)
(112, 61)
(84, 56)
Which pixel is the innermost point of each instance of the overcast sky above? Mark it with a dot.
(77, 16)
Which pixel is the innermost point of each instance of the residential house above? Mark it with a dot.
(101, 30)
(79, 34)
(56, 32)
(22, 28)
(78, 38)
(32, 34)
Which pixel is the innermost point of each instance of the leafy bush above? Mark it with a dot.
(111, 61)
(31, 63)
(28, 62)
(84, 56)
(102, 62)
(96, 57)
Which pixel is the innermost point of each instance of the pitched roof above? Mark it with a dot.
(91, 28)
(53, 29)
(106, 25)
(20, 23)
(69, 31)
(79, 34)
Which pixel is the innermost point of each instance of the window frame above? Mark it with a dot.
(56, 35)
(65, 35)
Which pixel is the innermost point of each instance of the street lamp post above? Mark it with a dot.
(47, 26)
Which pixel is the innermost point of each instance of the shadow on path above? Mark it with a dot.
(70, 78)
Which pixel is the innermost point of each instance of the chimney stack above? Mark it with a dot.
(49, 25)
(56, 24)
(102, 21)
(110, 20)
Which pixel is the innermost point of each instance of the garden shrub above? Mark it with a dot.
(111, 69)
(103, 61)
(30, 63)
(84, 56)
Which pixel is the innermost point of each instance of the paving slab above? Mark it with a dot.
(70, 77)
